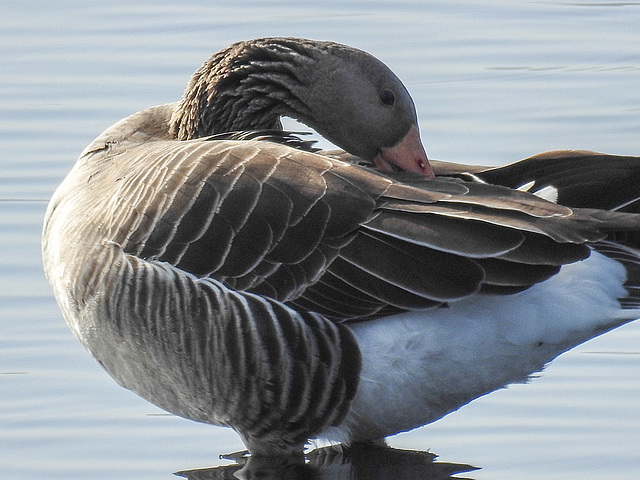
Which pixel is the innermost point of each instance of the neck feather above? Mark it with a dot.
(247, 86)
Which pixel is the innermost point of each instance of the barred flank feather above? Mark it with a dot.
(244, 360)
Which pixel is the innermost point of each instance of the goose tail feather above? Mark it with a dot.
(629, 258)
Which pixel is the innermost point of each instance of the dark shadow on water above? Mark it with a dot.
(371, 462)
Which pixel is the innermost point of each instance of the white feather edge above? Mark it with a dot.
(549, 192)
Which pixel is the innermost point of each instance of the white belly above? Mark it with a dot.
(419, 366)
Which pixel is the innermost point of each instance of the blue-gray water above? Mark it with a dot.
(493, 82)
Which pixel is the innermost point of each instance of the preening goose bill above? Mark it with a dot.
(291, 294)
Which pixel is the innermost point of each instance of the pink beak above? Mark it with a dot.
(408, 154)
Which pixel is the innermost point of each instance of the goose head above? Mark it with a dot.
(347, 95)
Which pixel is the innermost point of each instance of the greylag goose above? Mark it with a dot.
(294, 295)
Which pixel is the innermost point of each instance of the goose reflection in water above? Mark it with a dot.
(364, 462)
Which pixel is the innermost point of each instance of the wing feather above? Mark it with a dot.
(338, 239)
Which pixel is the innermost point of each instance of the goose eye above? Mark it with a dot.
(387, 98)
